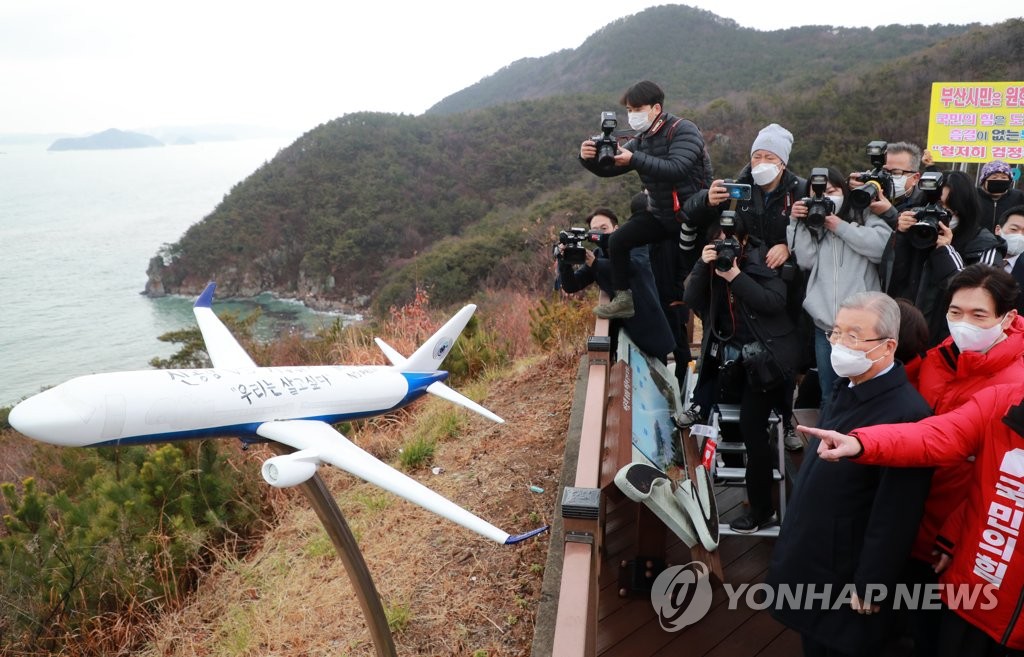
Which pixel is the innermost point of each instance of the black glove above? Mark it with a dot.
(1014, 418)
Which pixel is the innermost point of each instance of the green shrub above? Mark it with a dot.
(416, 453)
(559, 325)
(124, 531)
(398, 616)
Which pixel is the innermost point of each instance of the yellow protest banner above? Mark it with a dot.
(977, 122)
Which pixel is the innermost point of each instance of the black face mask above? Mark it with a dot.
(997, 186)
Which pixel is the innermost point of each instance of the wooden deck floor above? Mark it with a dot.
(628, 627)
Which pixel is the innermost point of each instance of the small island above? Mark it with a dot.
(108, 139)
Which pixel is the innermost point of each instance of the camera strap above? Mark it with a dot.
(677, 205)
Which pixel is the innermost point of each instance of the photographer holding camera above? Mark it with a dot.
(648, 327)
(900, 163)
(766, 205)
(841, 248)
(669, 155)
(749, 348)
(934, 242)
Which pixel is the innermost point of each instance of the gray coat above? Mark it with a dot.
(841, 263)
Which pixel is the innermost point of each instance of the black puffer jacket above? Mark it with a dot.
(766, 217)
(669, 157)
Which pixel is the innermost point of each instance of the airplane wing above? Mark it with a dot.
(437, 388)
(319, 439)
(222, 347)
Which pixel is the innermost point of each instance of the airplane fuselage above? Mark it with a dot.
(161, 405)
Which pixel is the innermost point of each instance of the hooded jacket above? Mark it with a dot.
(947, 379)
(989, 562)
(841, 263)
(991, 209)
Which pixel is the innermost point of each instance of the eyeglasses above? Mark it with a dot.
(899, 172)
(848, 339)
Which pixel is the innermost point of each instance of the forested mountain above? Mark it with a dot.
(368, 205)
(696, 57)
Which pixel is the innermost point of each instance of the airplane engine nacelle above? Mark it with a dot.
(290, 469)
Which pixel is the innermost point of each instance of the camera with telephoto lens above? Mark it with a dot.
(607, 146)
(925, 233)
(728, 249)
(573, 239)
(818, 205)
(877, 183)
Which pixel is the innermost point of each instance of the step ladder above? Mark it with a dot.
(735, 476)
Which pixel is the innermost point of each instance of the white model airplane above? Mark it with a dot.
(291, 405)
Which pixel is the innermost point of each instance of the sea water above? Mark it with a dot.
(77, 230)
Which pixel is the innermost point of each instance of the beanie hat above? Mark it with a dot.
(993, 167)
(776, 139)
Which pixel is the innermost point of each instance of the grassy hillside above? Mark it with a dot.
(105, 549)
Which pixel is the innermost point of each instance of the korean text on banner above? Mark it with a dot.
(977, 122)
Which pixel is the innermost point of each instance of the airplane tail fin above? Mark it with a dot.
(431, 354)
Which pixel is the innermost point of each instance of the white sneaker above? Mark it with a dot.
(689, 417)
(792, 441)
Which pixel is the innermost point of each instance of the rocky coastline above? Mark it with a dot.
(228, 286)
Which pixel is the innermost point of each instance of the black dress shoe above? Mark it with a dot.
(748, 524)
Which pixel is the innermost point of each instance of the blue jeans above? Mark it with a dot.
(826, 375)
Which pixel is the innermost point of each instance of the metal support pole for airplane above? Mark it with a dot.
(348, 549)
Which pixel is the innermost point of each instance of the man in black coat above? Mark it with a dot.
(1011, 229)
(648, 328)
(669, 154)
(853, 524)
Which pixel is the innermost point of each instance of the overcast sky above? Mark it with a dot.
(81, 66)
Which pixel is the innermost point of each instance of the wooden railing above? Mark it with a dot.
(576, 620)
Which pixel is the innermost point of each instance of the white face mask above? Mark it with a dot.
(850, 362)
(640, 121)
(969, 337)
(764, 173)
(954, 222)
(900, 185)
(1014, 244)
(838, 200)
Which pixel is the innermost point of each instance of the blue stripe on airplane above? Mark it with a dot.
(417, 382)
